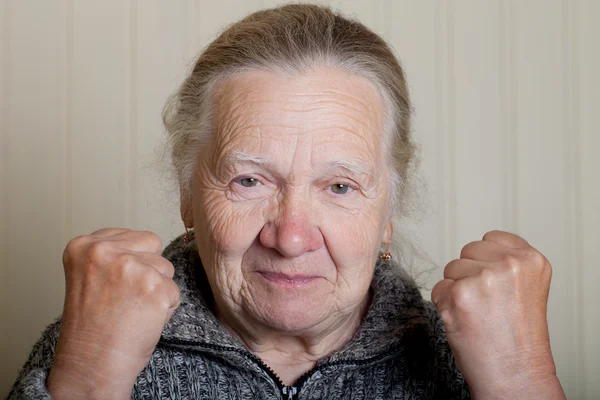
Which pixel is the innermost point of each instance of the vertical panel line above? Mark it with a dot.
(381, 22)
(386, 10)
(565, 88)
(5, 124)
(186, 29)
(573, 196)
(68, 123)
(132, 146)
(192, 22)
(504, 107)
(513, 110)
(439, 113)
(508, 111)
(446, 126)
(4, 154)
(451, 128)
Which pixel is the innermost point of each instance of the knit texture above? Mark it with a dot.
(399, 352)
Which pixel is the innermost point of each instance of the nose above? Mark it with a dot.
(292, 231)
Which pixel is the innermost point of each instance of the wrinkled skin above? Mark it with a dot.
(119, 295)
(293, 185)
(290, 207)
(493, 301)
(267, 202)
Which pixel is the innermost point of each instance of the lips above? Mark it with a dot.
(289, 280)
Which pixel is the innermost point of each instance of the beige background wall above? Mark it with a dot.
(507, 100)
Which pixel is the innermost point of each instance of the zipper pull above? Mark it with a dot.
(291, 391)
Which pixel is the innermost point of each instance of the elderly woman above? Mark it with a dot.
(291, 142)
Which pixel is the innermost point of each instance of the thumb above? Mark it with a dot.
(441, 298)
(171, 312)
(441, 293)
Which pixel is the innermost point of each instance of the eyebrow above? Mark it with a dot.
(349, 165)
(357, 168)
(242, 157)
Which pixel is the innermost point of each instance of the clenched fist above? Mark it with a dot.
(119, 296)
(493, 304)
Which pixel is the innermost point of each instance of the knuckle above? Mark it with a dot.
(512, 266)
(122, 270)
(73, 247)
(489, 279)
(541, 265)
(539, 260)
(447, 318)
(170, 294)
(151, 281)
(98, 250)
(491, 234)
(109, 231)
(547, 269)
(126, 261)
(174, 291)
(461, 296)
(154, 241)
(535, 262)
(169, 268)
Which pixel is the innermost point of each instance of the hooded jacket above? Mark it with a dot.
(400, 350)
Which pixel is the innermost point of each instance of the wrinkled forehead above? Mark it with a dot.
(326, 109)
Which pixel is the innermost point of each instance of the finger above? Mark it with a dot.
(174, 296)
(485, 251)
(140, 241)
(161, 264)
(170, 314)
(506, 239)
(462, 268)
(440, 294)
(108, 232)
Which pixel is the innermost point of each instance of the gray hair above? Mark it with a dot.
(293, 38)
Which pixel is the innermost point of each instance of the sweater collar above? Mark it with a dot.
(396, 311)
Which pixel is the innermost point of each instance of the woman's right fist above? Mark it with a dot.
(119, 296)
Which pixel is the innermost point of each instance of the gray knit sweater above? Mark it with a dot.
(399, 352)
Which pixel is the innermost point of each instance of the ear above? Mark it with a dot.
(185, 208)
(387, 232)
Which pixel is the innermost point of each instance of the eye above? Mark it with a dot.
(249, 182)
(339, 188)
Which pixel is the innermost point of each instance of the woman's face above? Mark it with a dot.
(291, 197)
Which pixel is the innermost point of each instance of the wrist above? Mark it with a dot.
(71, 378)
(527, 375)
(523, 387)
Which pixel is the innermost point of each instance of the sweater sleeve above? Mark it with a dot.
(450, 383)
(31, 382)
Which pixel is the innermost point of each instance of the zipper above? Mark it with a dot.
(292, 392)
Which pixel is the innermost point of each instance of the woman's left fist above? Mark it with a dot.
(493, 304)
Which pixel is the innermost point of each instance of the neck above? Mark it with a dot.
(290, 355)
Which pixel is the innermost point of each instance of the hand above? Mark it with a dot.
(493, 304)
(119, 296)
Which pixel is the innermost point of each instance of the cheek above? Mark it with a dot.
(353, 234)
(225, 231)
(353, 242)
(230, 227)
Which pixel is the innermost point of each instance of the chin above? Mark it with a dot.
(293, 312)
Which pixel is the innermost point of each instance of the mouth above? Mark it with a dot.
(289, 280)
